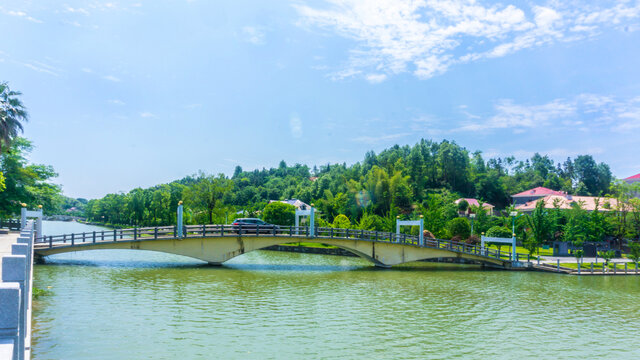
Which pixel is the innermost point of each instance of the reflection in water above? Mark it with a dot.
(123, 304)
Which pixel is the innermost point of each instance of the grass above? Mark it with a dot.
(522, 251)
(599, 265)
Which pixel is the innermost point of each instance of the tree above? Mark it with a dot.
(371, 222)
(499, 232)
(279, 213)
(459, 227)
(634, 252)
(26, 183)
(539, 223)
(207, 192)
(607, 256)
(341, 222)
(578, 254)
(12, 114)
(463, 205)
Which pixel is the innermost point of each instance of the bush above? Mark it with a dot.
(459, 227)
(279, 213)
(428, 234)
(456, 238)
(500, 232)
(371, 222)
(473, 240)
(342, 222)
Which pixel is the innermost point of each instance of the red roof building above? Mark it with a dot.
(632, 179)
(534, 194)
(475, 202)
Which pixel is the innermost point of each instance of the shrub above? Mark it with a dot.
(459, 227)
(341, 221)
(371, 222)
(279, 213)
(428, 234)
(463, 205)
(473, 240)
(456, 238)
(499, 232)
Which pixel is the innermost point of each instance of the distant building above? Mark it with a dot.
(632, 179)
(566, 202)
(534, 194)
(300, 205)
(475, 202)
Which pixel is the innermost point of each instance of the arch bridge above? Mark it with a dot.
(216, 244)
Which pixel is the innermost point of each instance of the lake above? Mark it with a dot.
(127, 304)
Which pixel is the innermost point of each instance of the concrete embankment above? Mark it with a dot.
(16, 251)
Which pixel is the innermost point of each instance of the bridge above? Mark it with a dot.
(216, 244)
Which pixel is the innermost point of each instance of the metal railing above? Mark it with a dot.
(302, 232)
(11, 224)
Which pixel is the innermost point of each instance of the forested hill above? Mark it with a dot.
(399, 180)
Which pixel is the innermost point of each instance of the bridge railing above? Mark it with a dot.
(211, 230)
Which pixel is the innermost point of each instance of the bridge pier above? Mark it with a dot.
(38, 259)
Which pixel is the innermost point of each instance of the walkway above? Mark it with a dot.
(5, 245)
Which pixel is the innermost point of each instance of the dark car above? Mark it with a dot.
(253, 226)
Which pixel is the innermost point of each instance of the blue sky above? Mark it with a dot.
(127, 94)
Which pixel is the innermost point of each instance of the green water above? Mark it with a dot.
(123, 304)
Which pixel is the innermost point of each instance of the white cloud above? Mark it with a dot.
(20, 14)
(584, 112)
(116, 102)
(43, 68)
(253, 35)
(82, 11)
(376, 78)
(295, 125)
(427, 37)
(111, 78)
(147, 114)
(379, 139)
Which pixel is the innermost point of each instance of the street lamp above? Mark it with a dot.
(472, 216)
(514, 216)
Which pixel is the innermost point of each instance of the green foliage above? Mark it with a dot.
(531, 245)
(499, 232)
(371, 222)
(459, 227)
(2, 185)
(279, 213)
(26, 183)
(342, 222)
(578, 254)
(540, 224)
(425, 178)
(607, 255)
(204, 195)
(12, 115)
(463, 205)
(634, 252)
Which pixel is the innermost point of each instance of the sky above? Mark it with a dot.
(138, 93)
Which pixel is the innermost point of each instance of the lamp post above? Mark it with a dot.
(514, 215)
(472, 216)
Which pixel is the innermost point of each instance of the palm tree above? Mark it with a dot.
(12, 114)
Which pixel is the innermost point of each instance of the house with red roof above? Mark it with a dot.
(632, 179)
(566, 202)
(475, 202)
(534, 194)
